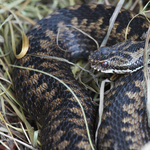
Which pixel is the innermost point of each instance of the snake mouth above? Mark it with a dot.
(107, 67)
(99, 67)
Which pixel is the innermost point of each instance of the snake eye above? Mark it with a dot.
(104, 64)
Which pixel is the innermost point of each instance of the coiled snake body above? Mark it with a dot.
(124, 122)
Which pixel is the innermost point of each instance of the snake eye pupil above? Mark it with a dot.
(104, 64)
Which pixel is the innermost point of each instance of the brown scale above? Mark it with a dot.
(46, 99)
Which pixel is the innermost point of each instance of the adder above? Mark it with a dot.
(49, 102)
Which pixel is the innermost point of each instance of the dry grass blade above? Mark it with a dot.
(101, 106)
(134, 4)
(2, 119)
(67, 61)
(147, 74)
(25, 46)
(59, 29)
(16, 140)
(112, 21)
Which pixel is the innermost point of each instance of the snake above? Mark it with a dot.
(49, 102)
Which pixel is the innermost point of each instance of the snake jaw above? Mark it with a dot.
(114, 67)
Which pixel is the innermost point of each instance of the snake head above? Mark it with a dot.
(124, 57)
(100, 60)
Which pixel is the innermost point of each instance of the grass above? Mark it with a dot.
(17, 129)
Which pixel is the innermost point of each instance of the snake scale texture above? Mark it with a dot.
(124, 122)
